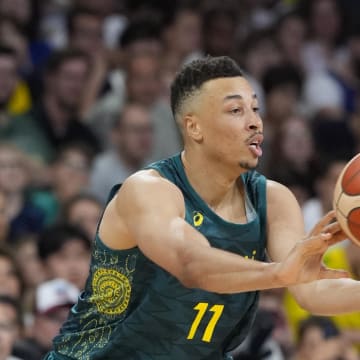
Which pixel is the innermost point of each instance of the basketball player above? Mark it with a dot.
(180, 252)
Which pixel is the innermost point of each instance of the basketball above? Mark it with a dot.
(346, 200)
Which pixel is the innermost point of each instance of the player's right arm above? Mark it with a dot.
(149, 213)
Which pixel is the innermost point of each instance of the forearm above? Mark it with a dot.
(223, 272)
(329, 297)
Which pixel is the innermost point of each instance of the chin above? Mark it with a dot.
(247, 165)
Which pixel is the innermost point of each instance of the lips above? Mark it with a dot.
(254, 144)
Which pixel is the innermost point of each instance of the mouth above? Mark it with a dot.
(254, 144)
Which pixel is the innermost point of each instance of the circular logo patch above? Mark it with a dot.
(111, 291)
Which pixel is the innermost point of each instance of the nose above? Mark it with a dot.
(255, 122)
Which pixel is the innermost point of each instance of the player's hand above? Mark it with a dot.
(304, 262)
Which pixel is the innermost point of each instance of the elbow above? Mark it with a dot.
(191, 276)
(194, 273)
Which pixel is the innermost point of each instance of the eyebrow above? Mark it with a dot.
(237, 96)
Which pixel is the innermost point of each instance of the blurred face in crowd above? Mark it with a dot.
(87, 34)
(315, 345)
(296, 140)
(29, 263)
(9, 329)
(325, 20)
(71, 263)
(143, 79)
(8, 78)
(13, 172)
(74, 165)
(326, 185)
(291, 36)
(10, 283)
(281, 101)
(219, 35)
(46, 326)
(185, 33)
(261, 56)
(19, 10)
(69, 82)
(134, 134)
(85, 213)
(153, 47)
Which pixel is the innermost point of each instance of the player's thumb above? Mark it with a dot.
(327, 273)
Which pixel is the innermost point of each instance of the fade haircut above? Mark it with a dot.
(193, 75)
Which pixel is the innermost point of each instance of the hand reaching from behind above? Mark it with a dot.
(304, 262)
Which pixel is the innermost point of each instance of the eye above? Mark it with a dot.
(236, 111)
(256, 109)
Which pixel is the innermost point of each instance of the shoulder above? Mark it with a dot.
(276, 192)
(149, 186)
(281, 202)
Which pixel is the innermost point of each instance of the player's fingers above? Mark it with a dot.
(326, 219)
(326, 273)
(332, 228)
(317, 244)
(337, 237)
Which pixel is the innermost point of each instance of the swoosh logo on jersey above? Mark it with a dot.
(198, 218)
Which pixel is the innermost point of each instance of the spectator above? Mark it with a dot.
(64, 251)
(290, 36)
(320, 339)
(73, 161)
(12, 283)
(30, 267)
(326, 177)
(85, 33)
(219, 30)
(10, 326)
(15, 129)
(83, 210)
(325, 23)
(52, 304)
(25, 217)
(282, 85)
(143, 85)
(182, 36)
(57, 112)
(292, 156)
(133, 139)
(256, 53)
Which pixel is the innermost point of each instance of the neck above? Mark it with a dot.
(224, 185)
(58, 115)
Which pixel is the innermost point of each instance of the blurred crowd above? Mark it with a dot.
(84, 103)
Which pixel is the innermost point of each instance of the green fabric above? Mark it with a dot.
(132, 309)
(23, 132)
(48, 202)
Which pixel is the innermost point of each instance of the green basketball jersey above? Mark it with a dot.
(132, 309)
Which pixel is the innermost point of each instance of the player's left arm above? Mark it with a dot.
(285, 227)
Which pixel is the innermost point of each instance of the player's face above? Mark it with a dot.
(230, 122)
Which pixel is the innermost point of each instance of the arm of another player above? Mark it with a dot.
(285, 223)
(153, 210)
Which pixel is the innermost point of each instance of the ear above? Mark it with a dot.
(192, 127)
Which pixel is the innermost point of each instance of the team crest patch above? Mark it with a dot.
(111, 291)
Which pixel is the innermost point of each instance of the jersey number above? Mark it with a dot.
(201, 308)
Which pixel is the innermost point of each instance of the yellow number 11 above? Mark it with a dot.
(201, 308)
